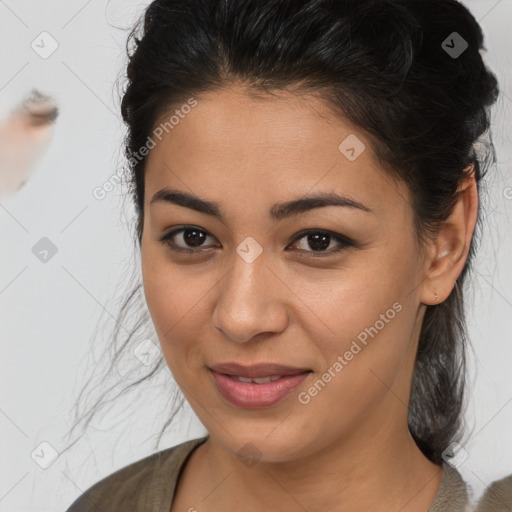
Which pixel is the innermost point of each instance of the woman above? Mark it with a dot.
(306, 182)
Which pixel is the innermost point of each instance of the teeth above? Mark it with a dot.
(257, 380)
(242, 379)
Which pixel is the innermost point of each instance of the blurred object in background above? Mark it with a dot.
(23, 137)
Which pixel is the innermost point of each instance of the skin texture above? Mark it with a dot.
(349, 448)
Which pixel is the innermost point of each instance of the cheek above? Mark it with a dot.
(364, 315)
(339, 304)
(364, 332)
(368, 357)
(178, 300)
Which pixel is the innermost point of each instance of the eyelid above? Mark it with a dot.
(171, 234)
(343, 241)
(336, 236)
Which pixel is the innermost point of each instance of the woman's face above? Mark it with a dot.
(252, 291)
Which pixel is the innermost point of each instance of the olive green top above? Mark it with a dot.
(148, 485)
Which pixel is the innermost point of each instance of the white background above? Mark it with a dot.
(49, 312)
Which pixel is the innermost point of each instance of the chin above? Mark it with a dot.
(253, 445)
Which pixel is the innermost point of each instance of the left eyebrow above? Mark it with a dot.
(278, 211)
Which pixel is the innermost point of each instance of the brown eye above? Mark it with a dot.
(319, 241)
(192, 237)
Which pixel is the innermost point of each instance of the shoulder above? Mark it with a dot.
(452, 493)
(141, 485)
(497, 497)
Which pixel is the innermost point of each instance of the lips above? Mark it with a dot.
(257, 385)
(259, 370)
(251, 395)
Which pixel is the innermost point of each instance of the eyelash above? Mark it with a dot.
(344, 242)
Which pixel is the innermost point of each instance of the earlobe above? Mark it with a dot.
(449, 250)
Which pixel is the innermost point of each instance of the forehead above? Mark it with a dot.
(234, 116)
(283, 143)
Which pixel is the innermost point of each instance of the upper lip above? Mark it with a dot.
(256, 370)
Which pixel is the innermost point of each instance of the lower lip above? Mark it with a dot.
(250, 395)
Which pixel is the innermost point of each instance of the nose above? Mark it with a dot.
(251, 301)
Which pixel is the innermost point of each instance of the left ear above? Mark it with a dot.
(449, 251)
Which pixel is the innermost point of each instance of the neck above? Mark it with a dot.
(370, 470)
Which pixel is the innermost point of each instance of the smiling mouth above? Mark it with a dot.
(257, 371)
(256, 392)
(260, 380)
